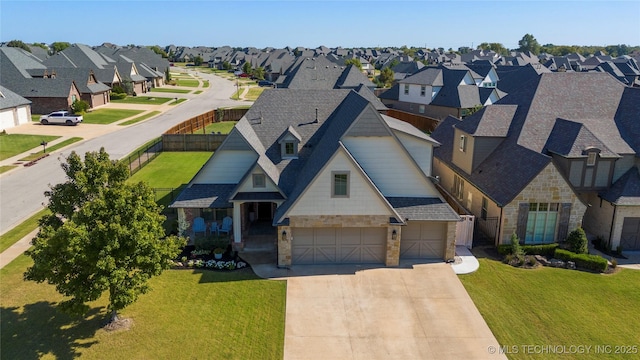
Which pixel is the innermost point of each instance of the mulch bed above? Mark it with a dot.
(229, 261)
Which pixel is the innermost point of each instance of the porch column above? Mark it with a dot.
(237, 222)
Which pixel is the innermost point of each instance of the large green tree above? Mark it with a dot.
(355, 62)
(103, 235)
(529, 43)
(59, 46)
(386, 76)
(18, 44)
(158, 50)
(246, 67)
(496, 47)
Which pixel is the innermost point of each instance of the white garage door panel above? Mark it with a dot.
(423, 240)
(339, 245)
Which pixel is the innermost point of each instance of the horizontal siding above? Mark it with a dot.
(420, 150)
(362, 200)
(247, 184)
(226, 167)
(388, 165)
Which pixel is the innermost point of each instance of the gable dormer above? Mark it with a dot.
(289, 143)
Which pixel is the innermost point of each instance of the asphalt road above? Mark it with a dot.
(22, 190)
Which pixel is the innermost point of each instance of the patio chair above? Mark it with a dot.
(199, 226)
(226, 226)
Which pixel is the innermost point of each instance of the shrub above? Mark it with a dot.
(585, 261)
(544, 250)
(577, 241)
(614, 263)
(117, 96)
(117, 89)
(504, 249)
(79, 106)
(516, 249)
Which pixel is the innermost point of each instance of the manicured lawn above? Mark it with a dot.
(140, 118)
(187, 314)
(171, 169)
(144, 100)
(12, 236)
(14, 144)
(51, 149)
(253, 93)
(223, 127)
(6, 168)
(205, 84)
(169, 90)
(108, 116)
(557, 307)
(197, 92)
(187, 82)
(236, 95)
(178, 102)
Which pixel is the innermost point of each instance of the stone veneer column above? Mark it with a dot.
(393, 246)
(284, 246)
(450, 247)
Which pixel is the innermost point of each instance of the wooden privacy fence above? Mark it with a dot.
(199, 123)
(423, 123)
(192, 142)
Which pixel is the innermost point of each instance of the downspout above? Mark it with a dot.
(613, 221)
(499, 234)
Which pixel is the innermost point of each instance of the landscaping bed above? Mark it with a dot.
(192, 258)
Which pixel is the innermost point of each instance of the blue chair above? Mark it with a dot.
(227, 225)
(214, 228)
(199, 226)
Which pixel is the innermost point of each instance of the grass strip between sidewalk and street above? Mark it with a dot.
(108, 116)
(21, 230)
(51, 149)
(140, 118)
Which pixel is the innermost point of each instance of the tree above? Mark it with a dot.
(167, 75)
(102, 235)
(259, 73)
(19, 44)
(246, 67)
(226, 65)
(528, 43)
(158, 50)
(197, 61)
(59, 46)
(80, 106)
(496, 47)
(578, 242)
(355, 62)
(386, 76)
(41, 45)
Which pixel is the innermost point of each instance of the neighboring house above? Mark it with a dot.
(82, 56)
(91, 90)
(341, 182)
(46, 93)
(438, 92)
(320, 73)
(561, 152)
(14, 109)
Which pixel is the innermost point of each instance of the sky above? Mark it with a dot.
(346, 23)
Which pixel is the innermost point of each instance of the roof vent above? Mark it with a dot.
(316, 120)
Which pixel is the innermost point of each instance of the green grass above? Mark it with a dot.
(197, 92)
(143, 100)
(108, 116)
(140, 118)
(14, 144)
(205, 84)
(223, 127)
(187, 314)
(187, 82)
(253, 93)
(236, 95)
(178, 102)
(171, 169)
(549, 306)
(168, 90)
(35, 117)
(5, 168)
(51, 149)
(12, 236)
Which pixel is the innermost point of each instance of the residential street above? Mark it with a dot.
(22, 190)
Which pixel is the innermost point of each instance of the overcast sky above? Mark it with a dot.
(432, 24)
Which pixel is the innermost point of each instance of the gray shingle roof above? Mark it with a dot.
(426, 76)
(490, 121)
(412, 208)
(625, 191)
(9, 99)
(572, 139)
(205, 196)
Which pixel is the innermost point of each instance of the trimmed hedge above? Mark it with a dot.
(117, 96)
(585, 261)
(545, 249)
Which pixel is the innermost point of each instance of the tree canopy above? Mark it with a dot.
(529, 43)
(158, 50)
(355, 62)
(246, 67)
(496, 47)
(59, 46)
(197, 61)
(386, 77)
(103, 235)
(19, 44)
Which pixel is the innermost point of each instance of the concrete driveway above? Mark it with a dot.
(385, 313)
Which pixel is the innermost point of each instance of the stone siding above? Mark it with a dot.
(450, 245)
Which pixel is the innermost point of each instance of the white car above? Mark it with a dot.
(60, 117)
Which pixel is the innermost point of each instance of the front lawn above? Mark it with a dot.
(14, 144)
(557, 307)
(171, 169)
(254, 93)
(108, 116)
(169, 90)
(143, 100)
(187, 82)
(191, 314)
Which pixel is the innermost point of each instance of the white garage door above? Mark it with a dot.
(423, 240)
(630, 237)
(339, 245)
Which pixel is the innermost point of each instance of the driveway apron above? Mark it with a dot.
(386, 313)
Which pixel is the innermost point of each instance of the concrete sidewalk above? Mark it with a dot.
(17, 249)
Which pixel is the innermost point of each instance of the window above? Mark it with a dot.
(423, 90)
(463, 143)
(73, 98)
(458, 187)
(591, 158)
(406, 89)
(340, 185)
(259, 181)
(483, 211)
(421, 109)
(289, 149)
(541, 223)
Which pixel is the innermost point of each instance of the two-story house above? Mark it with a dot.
(341, 182)
(561, 152)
